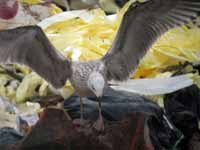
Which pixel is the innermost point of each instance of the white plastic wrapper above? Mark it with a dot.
(84, 14)
(156, 86)
(64, 16)
(7, 106)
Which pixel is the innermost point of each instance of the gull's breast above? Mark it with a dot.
(79, 78)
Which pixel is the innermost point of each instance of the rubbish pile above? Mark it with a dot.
(132, 122)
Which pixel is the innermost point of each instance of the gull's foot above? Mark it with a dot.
(99, 124)
(80, 122)
(82, 125)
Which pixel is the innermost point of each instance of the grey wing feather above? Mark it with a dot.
(29, 46)
(142, 25)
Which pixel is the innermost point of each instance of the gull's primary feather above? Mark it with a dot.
(142, 25)
(29, 46)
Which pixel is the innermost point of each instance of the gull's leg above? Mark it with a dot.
(99, 124)
(81, 108)
(80, 122)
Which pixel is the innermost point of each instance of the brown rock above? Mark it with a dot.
(55, 132)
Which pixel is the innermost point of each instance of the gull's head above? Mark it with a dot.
(96, 83)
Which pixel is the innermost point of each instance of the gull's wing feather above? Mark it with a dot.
(142, 25)
(158, 86)
(29, 46)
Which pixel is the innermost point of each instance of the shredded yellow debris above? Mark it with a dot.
(93, 38)
(32, 2)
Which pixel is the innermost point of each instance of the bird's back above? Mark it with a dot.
(80, 75)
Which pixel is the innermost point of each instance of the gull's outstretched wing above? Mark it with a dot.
(142, 25)
(29, 46)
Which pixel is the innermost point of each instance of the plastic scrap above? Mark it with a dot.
(183, 110)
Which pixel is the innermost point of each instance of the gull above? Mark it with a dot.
(142, 24)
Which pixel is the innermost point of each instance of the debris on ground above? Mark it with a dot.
(132, 121)
(183, 109)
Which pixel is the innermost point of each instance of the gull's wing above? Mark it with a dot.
(142, 25)
(29, 46)
(158, 86)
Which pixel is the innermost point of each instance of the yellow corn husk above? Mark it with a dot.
(27, 88)
(53, 10)
(32, 2)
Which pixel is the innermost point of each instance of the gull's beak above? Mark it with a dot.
(99, 94)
